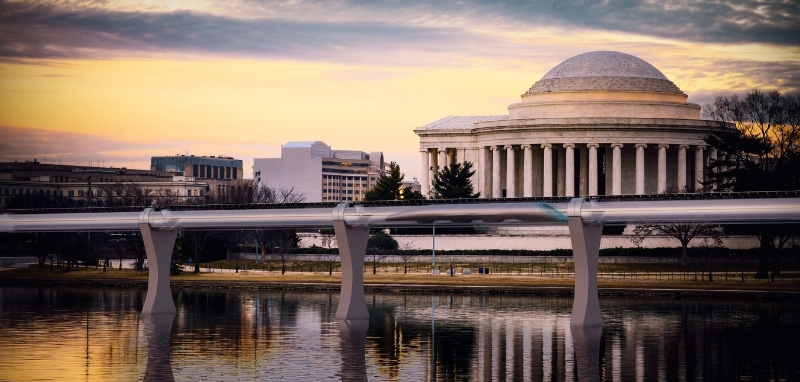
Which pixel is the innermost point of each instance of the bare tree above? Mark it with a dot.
(328, 238)
(231, 239)
(196, 241)
(267, 195)
(684, 232)
(282, 242)
(379, 246)
(408, 250)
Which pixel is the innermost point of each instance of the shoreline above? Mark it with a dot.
(531, 286)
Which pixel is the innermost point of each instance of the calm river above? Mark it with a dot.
(99, 335)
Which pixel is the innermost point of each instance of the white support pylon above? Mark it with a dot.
(158, 243)
(352, 242)
(585, 237)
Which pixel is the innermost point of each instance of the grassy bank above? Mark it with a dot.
(496, 281)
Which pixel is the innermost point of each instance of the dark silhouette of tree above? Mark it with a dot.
(684, 232)
(758, 145)
(267, 195)
(282, 243)
(379, 246)
(407, 251)
(390, 187)
(453, 182)
(195, 241)
(328, 238)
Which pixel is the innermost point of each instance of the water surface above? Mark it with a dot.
(86, 334)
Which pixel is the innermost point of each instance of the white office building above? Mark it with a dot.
(319, 172)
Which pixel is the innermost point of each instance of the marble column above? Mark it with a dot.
(432, 169)
(640, 168)
(451, 157)
(547, 173)
(593, 168)
(527, 171)
(682, 168)
(497, 192)
(484, 172)
(511, 172)
(424, 181)
(616, 170)
(569, 167)
(442, 160)
(699, 167)
(583, 168)
(662, 168)
(560, 173)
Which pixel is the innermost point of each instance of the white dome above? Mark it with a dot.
(604, 71)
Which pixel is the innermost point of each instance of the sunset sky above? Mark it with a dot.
(115, 82)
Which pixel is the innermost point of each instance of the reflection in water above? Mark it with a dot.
(157, 328)
(354, 341)
(250, 335)
(587, 352)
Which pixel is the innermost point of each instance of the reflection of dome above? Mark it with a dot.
(604, 71)
(604, 84)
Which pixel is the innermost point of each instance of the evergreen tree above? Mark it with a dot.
(390, 187)
(453, 182)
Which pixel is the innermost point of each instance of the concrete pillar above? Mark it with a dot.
(585, 239)
(424, 181)
(616, 170)
(662, 168)
(527, 171)
(699, 167)
(442, 160)
(497, 192)
(592, 168)
(640, 168)
(569, 173)
(547, 174)
(511, 181)
(352, 242)
(451, 157)
(157, 328)
(158, 245)
(484, 172)
(682, 168)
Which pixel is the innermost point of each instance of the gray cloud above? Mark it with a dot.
(357, 30)
(42, 31)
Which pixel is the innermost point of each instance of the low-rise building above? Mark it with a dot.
(31, 178)
(319, 172)
(219, 172)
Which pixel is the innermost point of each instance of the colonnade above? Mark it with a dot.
(576, 169)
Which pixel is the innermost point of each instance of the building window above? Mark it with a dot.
(194, 170)
(71, 193)
(5, 191)
(227, 172)
(80, 193)
(27, 191)
(234, 173)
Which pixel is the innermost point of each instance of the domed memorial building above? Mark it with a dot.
(600, 123)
